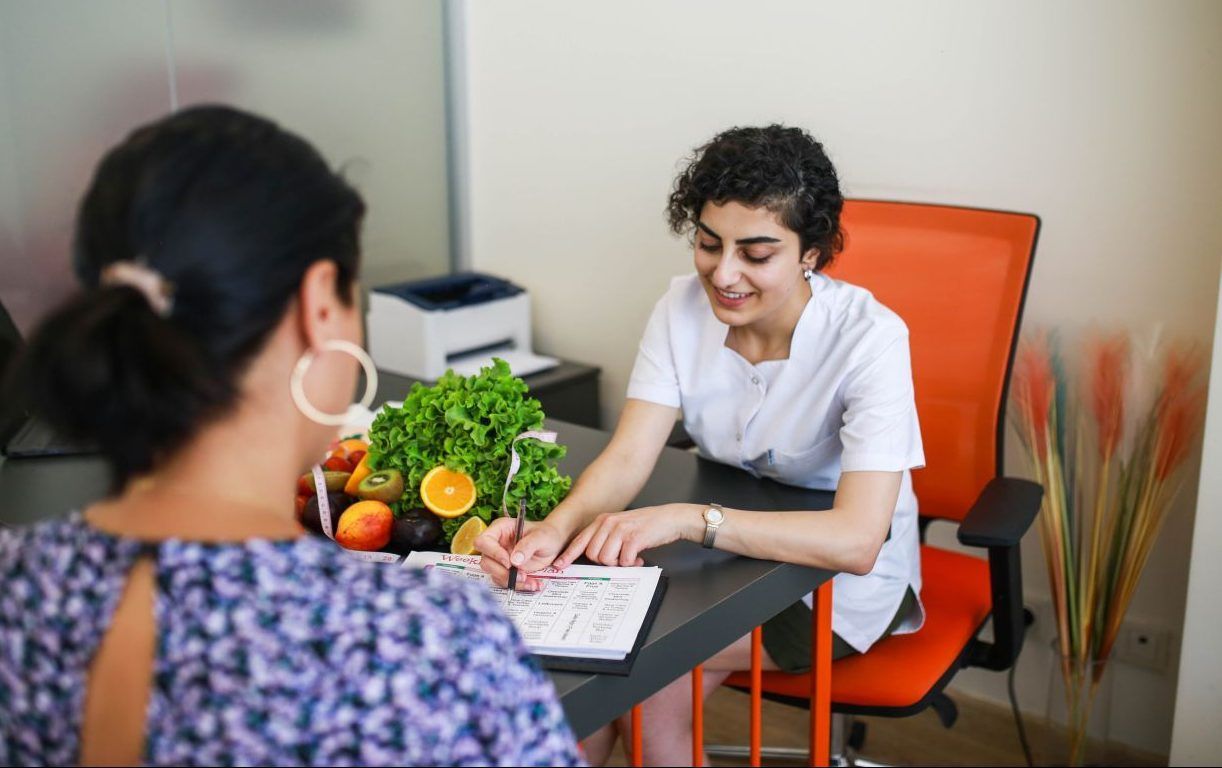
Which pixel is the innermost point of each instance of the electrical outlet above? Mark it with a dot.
(1138, 644)
(1143, 645)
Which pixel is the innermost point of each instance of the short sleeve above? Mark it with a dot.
(653, 374)
(880, 430)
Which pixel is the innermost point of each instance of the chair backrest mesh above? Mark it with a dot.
(958, 278)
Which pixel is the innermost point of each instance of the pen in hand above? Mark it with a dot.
(517, 536)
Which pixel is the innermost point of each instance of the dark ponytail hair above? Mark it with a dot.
(230, 210)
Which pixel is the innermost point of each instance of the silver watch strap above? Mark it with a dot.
(710, 530)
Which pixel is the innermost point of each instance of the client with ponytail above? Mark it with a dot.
(187, 618)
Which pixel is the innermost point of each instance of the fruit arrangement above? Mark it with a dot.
(361, 499)
(451, 443)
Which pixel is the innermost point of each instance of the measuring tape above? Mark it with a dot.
(515, 463)
(324, 515)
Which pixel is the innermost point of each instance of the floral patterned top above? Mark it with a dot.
(270, 652)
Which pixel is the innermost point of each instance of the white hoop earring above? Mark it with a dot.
(297, 385)
(808, 273)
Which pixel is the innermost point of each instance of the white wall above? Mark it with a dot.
(1197, 740)
(1102, 117)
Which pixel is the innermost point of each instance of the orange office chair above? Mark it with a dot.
(958, 277)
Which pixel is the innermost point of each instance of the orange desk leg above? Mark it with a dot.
(638, 752)
(757, 646)
(698, 715)
(821, 677)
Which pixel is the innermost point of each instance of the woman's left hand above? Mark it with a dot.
(618, 538)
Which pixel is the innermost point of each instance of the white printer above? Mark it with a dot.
(461, 321)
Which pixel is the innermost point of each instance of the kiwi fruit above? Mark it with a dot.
(384, 485)
(335, 480)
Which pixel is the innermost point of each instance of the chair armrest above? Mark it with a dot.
(999, 518)
(1002, 514)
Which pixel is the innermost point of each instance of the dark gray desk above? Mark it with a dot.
(713, 598)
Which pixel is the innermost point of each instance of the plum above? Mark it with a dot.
(416, 530)
(310, 518)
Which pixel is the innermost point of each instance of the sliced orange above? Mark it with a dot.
(465, 536)
(447, 493)
(362, 471)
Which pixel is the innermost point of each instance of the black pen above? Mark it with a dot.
(517, 536)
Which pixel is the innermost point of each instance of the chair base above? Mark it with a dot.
(789, 753)
(847, 737)
(775, 753)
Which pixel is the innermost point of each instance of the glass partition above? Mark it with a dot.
(74, 79)
(363, 80)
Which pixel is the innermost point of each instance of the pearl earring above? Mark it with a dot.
(808, 273)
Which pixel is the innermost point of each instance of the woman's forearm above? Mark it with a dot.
(834, 539)
(615, 478)
(607, 485)
(847, 537)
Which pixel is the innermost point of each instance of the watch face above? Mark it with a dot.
(713, 515)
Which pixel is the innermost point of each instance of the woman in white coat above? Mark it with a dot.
(777, 369)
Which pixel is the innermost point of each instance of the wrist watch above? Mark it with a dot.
(713, 517)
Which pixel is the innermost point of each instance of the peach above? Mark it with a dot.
(365, 526)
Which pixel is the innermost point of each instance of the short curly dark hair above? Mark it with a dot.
(783, 169)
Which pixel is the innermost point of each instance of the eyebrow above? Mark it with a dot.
(743, 241)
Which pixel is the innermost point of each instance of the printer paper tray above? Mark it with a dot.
(521, 362)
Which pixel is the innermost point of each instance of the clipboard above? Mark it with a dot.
(642, 609)
(621, 667)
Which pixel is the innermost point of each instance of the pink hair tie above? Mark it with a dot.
(133, 274)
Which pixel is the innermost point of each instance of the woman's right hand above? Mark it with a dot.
(540, 544)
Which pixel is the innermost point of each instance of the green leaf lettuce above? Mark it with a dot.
(468, 424)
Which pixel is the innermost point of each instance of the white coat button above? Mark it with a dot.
(755, 379)
(738, 438)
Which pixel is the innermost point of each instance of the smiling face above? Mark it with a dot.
(750, 265)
